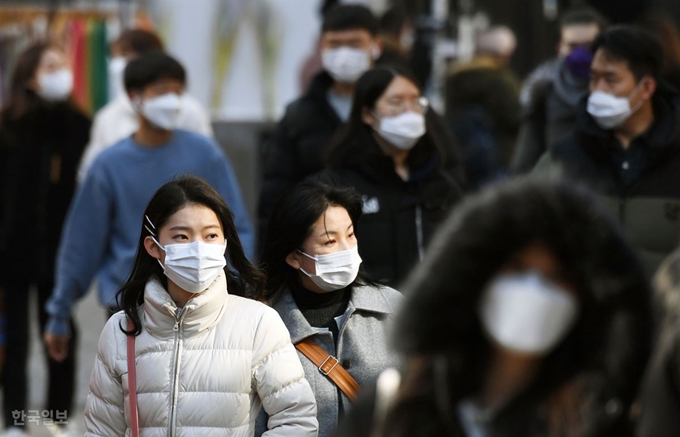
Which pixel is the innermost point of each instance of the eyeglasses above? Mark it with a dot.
(398, 106)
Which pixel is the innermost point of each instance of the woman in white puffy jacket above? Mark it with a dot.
(205, 358)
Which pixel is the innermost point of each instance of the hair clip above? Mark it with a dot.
(152, 232)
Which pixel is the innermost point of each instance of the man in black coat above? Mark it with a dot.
(350, 45)
(626, 143)
(552, 101)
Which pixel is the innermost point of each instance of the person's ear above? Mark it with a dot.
(152, 248)
(564, 48)
(368, 118)
(134, 96)
(648, 88)
(293, 260)
(376, 49)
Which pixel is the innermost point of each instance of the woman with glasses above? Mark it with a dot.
(396, 154)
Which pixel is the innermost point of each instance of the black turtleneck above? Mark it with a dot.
(321, 309)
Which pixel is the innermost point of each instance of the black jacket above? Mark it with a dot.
(39, 156)
(551, 115)
(483, 111)
(640, 186)
(399, 217)
(298, 150)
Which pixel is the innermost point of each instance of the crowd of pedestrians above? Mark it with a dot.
(508, 267)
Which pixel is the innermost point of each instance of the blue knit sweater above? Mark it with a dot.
(104, 222)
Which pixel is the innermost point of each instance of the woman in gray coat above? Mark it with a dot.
(316, 284)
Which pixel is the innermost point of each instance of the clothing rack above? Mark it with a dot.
(83, 32)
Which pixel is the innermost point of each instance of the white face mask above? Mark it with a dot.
(527, 314)
(55, 86)
(610, 111)
(193, 266)
(335, 270)
(402, 131)
(162, 111)
(116, 76)
(346, 64)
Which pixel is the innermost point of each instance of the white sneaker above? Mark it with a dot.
(14, 431)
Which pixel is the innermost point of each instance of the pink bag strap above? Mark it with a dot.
(132, 382)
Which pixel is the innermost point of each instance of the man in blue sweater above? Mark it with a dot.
(105, 218)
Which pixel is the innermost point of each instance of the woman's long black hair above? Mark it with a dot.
(21, 99)
(291, 223)
(609, 343)
(356, 135)
(243, 278)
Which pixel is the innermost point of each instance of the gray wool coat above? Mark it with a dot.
(362, 348)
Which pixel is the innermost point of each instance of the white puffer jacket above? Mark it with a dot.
(202, 373)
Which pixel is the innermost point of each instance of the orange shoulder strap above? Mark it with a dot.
(330, 367)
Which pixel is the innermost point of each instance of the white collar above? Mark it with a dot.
(201, 312)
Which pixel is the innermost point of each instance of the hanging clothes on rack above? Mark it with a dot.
(99, 78)
(81, 90)
(84, 35)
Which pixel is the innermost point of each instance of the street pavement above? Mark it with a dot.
(91, 318)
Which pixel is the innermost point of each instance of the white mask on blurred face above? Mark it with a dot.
(346, 64)
(55, 86)
(610, 111)
(527, 314)
(162, 111)
(402, 131)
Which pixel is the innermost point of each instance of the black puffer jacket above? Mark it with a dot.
(399, 217)
(648, 204)
(39, 155)
(301, 142)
